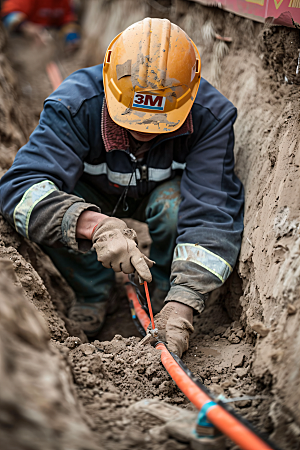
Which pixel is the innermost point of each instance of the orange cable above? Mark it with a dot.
(140, 312)
(218, 416)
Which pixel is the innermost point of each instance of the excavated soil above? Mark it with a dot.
(59, 391)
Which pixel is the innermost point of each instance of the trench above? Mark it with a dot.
(67, 392)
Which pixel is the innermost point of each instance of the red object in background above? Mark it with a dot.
(279, 12)
(48, 13)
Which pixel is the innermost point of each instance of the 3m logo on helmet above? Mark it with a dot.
(148, 101)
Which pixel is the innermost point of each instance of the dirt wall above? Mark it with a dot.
(267, 137)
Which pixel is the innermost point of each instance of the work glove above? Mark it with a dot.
(174, 324)
(116, 247)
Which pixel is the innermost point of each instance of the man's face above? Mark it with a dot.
(143, 137)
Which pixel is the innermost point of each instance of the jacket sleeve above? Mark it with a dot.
(210, 221)
(35, 193)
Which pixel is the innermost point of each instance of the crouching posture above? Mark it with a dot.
(137, 136)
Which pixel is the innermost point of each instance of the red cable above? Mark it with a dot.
(149, 304)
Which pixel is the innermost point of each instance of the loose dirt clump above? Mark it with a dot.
(280, 52)
(112, 375)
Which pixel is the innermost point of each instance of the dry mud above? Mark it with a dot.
(58, 391)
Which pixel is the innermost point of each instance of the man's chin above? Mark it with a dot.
(143, 137)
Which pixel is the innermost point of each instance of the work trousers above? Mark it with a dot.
(91, 281)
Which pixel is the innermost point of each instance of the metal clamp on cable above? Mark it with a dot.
(151, 338)
(154, 332)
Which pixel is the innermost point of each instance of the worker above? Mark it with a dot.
(134, 137)
(32, 18)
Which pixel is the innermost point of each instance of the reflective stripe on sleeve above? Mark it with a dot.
(32, 196)
(159, 174)
(204, 258)
(176, 165)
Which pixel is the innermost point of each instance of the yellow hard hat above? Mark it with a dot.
(151, 76)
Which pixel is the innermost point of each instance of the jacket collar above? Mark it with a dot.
(116, 137)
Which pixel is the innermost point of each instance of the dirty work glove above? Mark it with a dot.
(116, 247)
(174, 324)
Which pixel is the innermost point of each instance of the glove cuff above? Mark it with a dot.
(112, 223)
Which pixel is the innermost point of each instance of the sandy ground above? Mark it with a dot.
(69, 393)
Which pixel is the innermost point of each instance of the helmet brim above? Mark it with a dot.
(145, 121)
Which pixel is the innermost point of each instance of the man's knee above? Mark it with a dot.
(164, 203)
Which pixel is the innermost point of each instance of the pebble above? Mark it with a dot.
(291, 309)
(240, 334)
(241, 372)
(260, 328)
(215, 379)
(227, 383)
(227, 332)
(87, 349)
(72, 342)
(233, 339)
(238, 360)
(110, 397)
(236, 325)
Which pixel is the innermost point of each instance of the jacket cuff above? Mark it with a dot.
(189, 297)
(69, 224)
